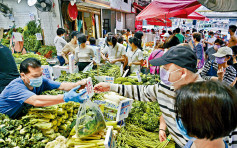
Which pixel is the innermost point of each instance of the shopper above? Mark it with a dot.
(234, 61)
(233, 38)
(198, 49)
(209, 53)
(165, 37)
(135, 55)
(178, 35)
(94, 47)
(8, 68)
(162, 34)
(157, 53)
(17, 43)
(59, 42)
(188, 36)
(70, 47)
(170, 42)
(179, 69)
(128, 35)
(219, 69)
(83, 53)
(210, 40)
(27, 89)
(206, 112)
(115, 51)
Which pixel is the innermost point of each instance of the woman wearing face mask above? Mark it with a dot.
(83, 53)
(158, 52)
(220, 70)
(199, 113)
(198, 49)
(135, 55)
(70, 47)
(115, 51)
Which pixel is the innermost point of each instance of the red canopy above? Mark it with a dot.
(159, 22)
(194, 16)
(168, 8)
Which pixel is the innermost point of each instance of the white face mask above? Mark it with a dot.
(164, 76)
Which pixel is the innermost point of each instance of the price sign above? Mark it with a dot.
(138, 76)
(109, 79)
(47, 72)
(89, 88)
(124, 109)
(110, 139)
(38, 36)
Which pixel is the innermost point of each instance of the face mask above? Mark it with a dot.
(182, 129)
(164, 76)
(36, 82)
(217, 47)
(63, 37)
(220, 60)
(209, 36)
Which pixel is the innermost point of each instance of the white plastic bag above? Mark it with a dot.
(90, 120)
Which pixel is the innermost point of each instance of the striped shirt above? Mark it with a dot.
(232, 139)
(165, 95)
(229, 76)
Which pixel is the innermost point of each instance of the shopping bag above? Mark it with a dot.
(88, 67)
(90, 120)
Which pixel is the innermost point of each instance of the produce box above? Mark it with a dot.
(58, 70)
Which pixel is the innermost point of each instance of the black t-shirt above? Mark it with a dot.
(235, 66)
(8, 68)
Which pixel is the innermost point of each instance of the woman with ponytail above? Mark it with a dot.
(115, 51)
(135, 55)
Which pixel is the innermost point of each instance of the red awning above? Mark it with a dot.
(168, 8)
(194, 16)
(159, 22)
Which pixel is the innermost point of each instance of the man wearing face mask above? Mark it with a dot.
(209, 53)
(27, 89)
(179, 69)
(219, 69)
(210, 41)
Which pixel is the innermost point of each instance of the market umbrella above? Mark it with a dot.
(163, 9)
(194, 16)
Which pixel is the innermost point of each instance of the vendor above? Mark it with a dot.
(8, 69)
(27, 89)
(115, 51)
(135, 55)
(17, 43)
(70, 47)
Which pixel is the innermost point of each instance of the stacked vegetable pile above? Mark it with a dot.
(47, 51)
(19, 58)
(132, 80)
(15, 133)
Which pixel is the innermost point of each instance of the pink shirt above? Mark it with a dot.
(155, 54)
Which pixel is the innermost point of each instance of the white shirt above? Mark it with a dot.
(112, 54)
(211, 40)
(59, 43)
(135, 56)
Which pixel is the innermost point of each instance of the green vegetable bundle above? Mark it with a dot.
(45, 49)
(19, 58)
(145, 114)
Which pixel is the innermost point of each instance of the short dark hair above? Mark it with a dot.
(163, 31)
(120, 39)
(82, 38)
(60, 31)
(138, 35)
(208, 109)
(92, 40)
(128, 30)
(234, 49)
(29, 62)
(136, 41)
(170, 32)
(187, 31)
(74, 34)
(194, 30)
(171, 41)
(197, 36)
(232, 28)
(219, 41)
(177, 30)
(112, 39)
(211, 33)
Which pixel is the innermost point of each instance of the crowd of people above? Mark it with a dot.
(196, 95)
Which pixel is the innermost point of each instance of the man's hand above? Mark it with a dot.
(102, 87)
(82, 82)
(220, 74)
(73, 96)
(162, 135)
(112, 62)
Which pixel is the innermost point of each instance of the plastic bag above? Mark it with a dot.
(90, 120)
(88, 67)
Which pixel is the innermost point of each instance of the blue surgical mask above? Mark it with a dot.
(182, 129)
(164, 76)
(36, 82)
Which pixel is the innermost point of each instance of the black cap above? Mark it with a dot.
(182, 56)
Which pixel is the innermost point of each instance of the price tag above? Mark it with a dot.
(109, 79)
(110, 139)
(47, 72)
(125, 73)
(89, 88)
(124, 109)
(138, 76)
(39, 36)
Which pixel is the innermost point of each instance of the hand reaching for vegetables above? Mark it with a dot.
(162, 135)
(102, 87)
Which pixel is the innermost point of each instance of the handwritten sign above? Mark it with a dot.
(89, 88)
(138, 76)
(47, 72)
(110, 139)
(38, 36)
(109, 79)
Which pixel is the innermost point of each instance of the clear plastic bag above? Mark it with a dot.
(90, 120)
